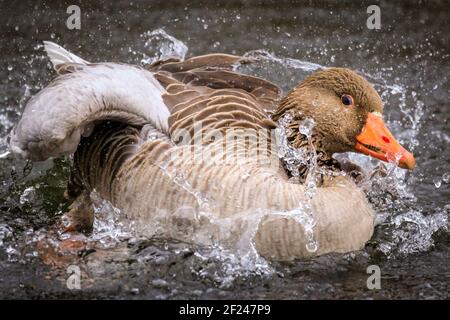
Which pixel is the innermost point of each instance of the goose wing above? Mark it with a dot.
(206, 92)
(83, 94)
(171, 95)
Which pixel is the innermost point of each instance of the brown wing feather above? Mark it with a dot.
(215, 60)
(206, 91)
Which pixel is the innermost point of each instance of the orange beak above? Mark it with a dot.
(377, 141)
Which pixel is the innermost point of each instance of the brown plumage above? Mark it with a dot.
(145, 161)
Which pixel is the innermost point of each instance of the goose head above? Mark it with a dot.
(347, 113)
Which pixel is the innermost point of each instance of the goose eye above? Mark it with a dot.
(347, 100)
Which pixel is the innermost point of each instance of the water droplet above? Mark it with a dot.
(446, 177)
(27, 195)
(437, 182)
(134, 291)
(159, 45)
(311, 243)
(306, 126)
(10, 68)
(312, 246)
(4, 154)
(5, 233)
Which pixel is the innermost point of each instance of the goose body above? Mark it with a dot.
(155, 143)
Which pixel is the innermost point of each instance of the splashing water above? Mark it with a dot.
(387, 186)
(305, 216)
(28, 195)
(306, 126)
(6, 233)
(235, 251)
(180, 179)
(402, 230)
(289, 72)
(263, 55)
(110, 226)
(232, 265)
(410, 232)
(293, 158)
(158, 45)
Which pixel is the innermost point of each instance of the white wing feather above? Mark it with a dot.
(58, 55)
(54, 119)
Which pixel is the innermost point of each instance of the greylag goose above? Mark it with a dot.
(196, 145)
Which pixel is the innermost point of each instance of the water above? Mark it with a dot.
(408, 62)
(158, 45)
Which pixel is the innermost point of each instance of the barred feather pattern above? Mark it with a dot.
(133, 158)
